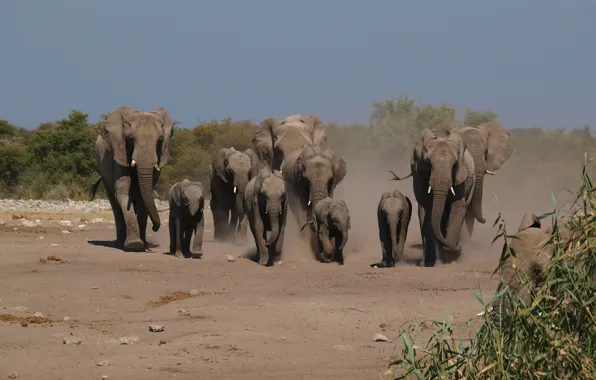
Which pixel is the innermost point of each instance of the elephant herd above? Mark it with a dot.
(292, 165)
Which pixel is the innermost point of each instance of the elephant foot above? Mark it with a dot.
(264, 261)
(134, 244)
(422, 263)
(324, 258)
(196, 254)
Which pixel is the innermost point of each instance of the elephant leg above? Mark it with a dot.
(470, 218)
(280, 240)
(173, 237)
(142, 216)
(241, 236)
(118, 219)
(188, 231)
(339, 252)
(384, 238)
(198, 242)
(253, 231)
(325, 242)
(133, 240)
(429, 245)
(179, 237)
(260, 238)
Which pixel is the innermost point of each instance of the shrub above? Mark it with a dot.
(554, 337)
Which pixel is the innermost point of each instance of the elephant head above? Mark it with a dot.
(440, 163)
(317, 171)
(189, 196)
(490, 146)
(270, 190)
(140, 141)
(235, 168)
(275, 139)
(339, 219)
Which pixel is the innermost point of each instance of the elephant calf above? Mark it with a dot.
(187, 201)
(393, 215)
(266, 206)
(331, 220)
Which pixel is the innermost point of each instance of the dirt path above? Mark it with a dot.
(298, 320)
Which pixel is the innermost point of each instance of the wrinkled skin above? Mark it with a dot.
(532, 257)
(311, 173)
(443, 176)
(187, 202)
(393, 215)
(490, 147)
(230, 171)
(331, 221)
(275, 139)
(265, 201)
(130, 151)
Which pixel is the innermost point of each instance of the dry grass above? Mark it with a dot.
(51, 258)
(135, 270)
(24, 320)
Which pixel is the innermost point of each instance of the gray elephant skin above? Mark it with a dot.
(275, 138)
(311, 173)
(531, 258)
(230, 171)
(266, 208)
(187, 202)
(443, 177)
(331, 222)
(130, 151)
(490, 147)
(393, 215)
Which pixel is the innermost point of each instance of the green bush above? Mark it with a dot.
(554, 337)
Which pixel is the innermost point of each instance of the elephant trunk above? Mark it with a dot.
(146, 186)
(344, 241)
(240, 187)
(392, 221)
(477, 197)
(318, 192)
(456, 220)
(273, 211)
(439, 199)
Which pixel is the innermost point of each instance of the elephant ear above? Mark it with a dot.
(114, 131)
(175, 194)
(462, 171)
(340, 168)
(319, 133)
(219, 163)
(263, 140)
(167, 127)
(425, 136)
(384, 196)
(254, 162)
(529, 220)
(445, 129)
(265, 172)
(499, 145)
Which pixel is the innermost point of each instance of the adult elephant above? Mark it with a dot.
(130, 151)
(443, 177)
(311, 174)
(490, 146)
(275, 139)
(230, 171)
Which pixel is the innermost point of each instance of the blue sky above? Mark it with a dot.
(531, 61)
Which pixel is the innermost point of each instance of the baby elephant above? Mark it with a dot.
(187, 201)
(393, 215)
(331, 220)
(266, 208)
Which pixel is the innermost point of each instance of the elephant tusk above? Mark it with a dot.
(133, 163)
(309, 202)
(429, 188)
(452, 191)
(157, 167)
(235, 189)
(490, 172)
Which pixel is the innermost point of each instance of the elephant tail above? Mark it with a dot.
(396, 178)
(94, 188)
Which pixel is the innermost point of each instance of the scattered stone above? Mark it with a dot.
(161, 342)
(82, 226)
(31, 223)
(194, 292)
(231, 259)
(95, 287)
(103, 363)
(104, 377)
(2, 223)
(66, 319)
(380, 338)
(24, 323)
(65, 231)
(97, 220)
(41, 238)
(125, 340)
(183, 312)
(13, 375)
(72, 340)
(65, 223)
(38, 315)
(156, 328)
(55, 245)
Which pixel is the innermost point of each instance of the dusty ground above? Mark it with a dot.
(298, 320)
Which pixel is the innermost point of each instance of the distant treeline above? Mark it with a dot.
(57, 160)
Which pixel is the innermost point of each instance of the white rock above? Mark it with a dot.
(13, 375)
(66, 319)
(31, 223)
(41, 238)
(2, 223)
(97, 220)
(72, 340)
(103, 363)
(82, 226)
(231, 259)
(125, 340)
(65, 223)
(156, 328)
(55, 245)
(38, 315)
(194, 292)
(65, 231)
(183, 312)
(380, 338)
